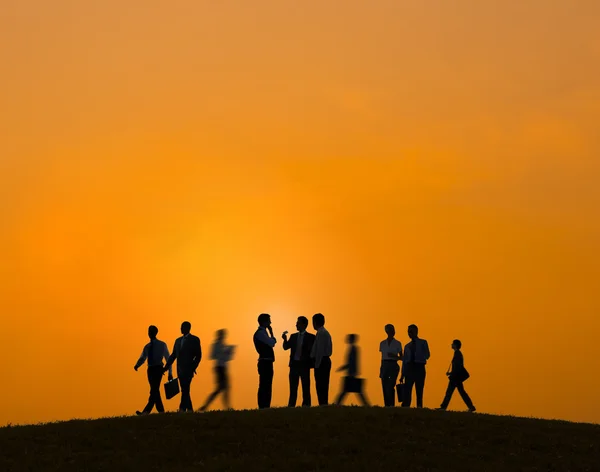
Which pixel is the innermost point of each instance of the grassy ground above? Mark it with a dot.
(324, 439)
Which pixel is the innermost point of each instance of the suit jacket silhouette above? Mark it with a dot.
(307, 344)
(188, 356)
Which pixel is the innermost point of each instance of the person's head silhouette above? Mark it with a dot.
(221, 334)
(302, 323)
(264, 320)
(186, 327)
(152, 331)
(413, 331)
(390, 330)
(352, 339)
(456, 345)
(318, 321)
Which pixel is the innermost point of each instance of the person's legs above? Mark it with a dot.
(363, 399)
(325, 373)
(185, 381)
(305, 377)
(154, 376)
(420, 383)
(265, 387)
(294, 379)
(218, 389)
(389, 376)
(224, 385)
(449, 393)
(465, 396)
(340, 398)
(408, 386)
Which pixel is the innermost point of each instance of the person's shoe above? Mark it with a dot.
(141, 413)
(202, 409)
(472, 409)
(441, 408)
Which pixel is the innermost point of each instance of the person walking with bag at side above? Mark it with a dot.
(456, 377)
(264, 341)
(321, 355)
(300, 345)
(188, 352)
(415, 357)
(391, 353)
(351, 383)
(154, 351)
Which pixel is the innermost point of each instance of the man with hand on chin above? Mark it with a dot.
(264, 342)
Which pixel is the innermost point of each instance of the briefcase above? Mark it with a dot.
(353, 385)
(171, 388)
(400, 392)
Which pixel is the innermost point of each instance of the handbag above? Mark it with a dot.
(461, 376)
(172, 388)
(400, 392)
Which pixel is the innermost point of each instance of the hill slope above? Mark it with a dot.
(325, 439)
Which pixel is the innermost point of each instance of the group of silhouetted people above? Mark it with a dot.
(307, 352)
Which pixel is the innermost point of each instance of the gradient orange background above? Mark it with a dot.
(385, 161)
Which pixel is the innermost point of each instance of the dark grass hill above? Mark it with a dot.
(315, 439)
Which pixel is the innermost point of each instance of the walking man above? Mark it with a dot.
(188, 352)
(264, 341)
(154, 351)
(456, 378)
(321, 354)
(416, 355)
(300, 344)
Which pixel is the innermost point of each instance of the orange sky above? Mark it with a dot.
(388, 161)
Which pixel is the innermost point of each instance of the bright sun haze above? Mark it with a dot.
(380, 162)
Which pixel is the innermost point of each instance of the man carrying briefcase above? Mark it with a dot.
(154, 351)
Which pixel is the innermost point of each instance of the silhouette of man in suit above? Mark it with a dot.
(188, 352)
(351, 383)
(300, 344)
(415, 357)
(154, 351)
(321, 354)
(264, 342)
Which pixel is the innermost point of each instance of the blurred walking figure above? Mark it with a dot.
(415, 357)
(188, 352)
(351, 383)
(456, 377)
(155, 351)
(221, 353)
(264, 342)
(391, 353)
(321, 355)
(300, 345)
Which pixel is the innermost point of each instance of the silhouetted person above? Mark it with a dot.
(416, 354)
(264, 342)
(391, 353)
(221, 353)
(352, 384)
(188, 352)
(300, 344)
(154, 351)
(456, 377)
(321, 355)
